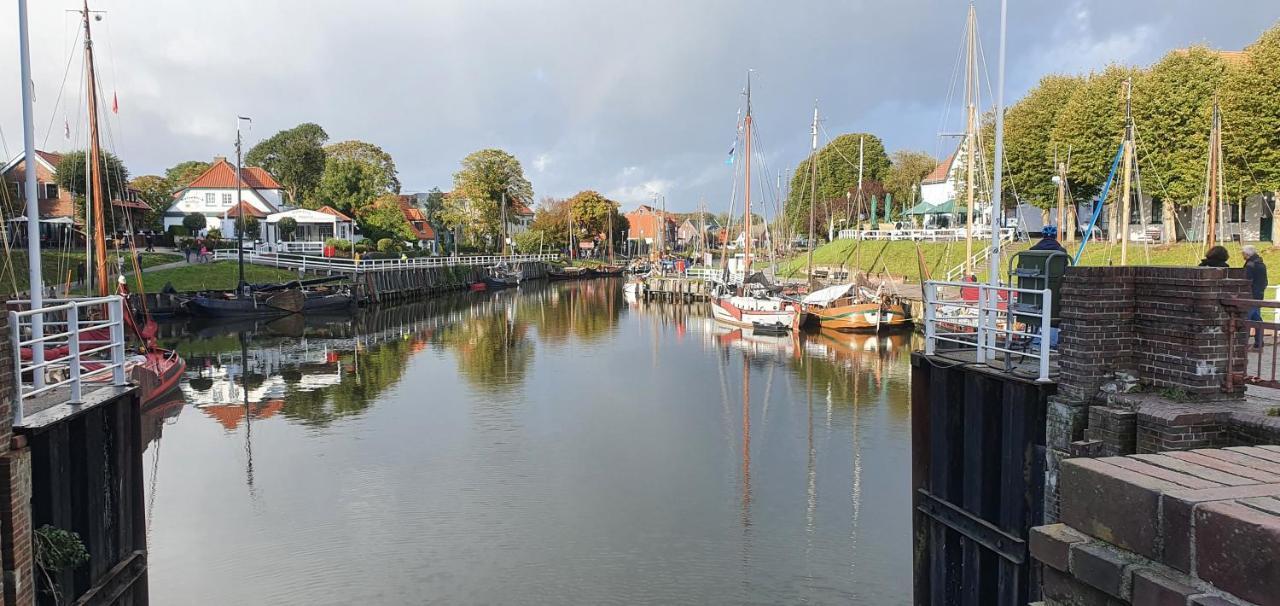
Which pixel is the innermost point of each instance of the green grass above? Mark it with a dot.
(899, 258)
(55, 265)
(216, 275)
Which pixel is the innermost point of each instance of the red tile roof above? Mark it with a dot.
(329, 210)
(417, 221)
(222, 175)
(138, 204)
(53, 158)
(245, 206)
(942, 170)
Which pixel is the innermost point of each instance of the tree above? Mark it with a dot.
(70, 174)
(350, 184)
(370, 153)
(1173, 108)
(154, 190)
(194, 222)
(1251, 114)
(591, 214)
(287, 226)
(383, 218)
(432, 205)
(1029, 141)
(182, 173)
(478, 190)
(551, 221)
(904, 176)
(295, 157)
(1091, 125)
(837, 173)
(252, 227)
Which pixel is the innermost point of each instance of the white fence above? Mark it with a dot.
(349, 265)
(920, 235)
(64, 346)
(988, 322)
(302, 248)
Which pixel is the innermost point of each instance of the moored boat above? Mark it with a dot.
(849, 308)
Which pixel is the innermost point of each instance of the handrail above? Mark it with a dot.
(344, 264)
(41, 375)
(950, 321)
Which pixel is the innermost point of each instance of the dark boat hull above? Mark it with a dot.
(495, 283)
(327, 302)
(200, 305)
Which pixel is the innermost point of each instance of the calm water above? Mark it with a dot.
(555, 445)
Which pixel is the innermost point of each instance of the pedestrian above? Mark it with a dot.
(1255, 270)
(151, 242)
(1216, 257)
(186, 250)
(204, 254)
(1049, 240)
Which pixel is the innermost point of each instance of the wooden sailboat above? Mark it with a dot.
(753, 303)
(156, 371)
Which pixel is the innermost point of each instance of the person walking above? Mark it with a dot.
(1049, 240)
(1216, 257)
(1255, 270)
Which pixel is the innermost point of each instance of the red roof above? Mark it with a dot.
(222, 175)
(244, 206)
(138, 204)
(53, 158)
(329, 210)
(940, 172)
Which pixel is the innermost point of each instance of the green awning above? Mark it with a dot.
(924, 208)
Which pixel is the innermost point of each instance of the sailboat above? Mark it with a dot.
(855, 306)
(755, 302)
(156, 371)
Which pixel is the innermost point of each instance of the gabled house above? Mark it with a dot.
(314, 227)
(422, 230)
(696, 230)
(57, 205)
(760, 236)
(939, 186)
(521, 217)
(212, 194)
(650, 226)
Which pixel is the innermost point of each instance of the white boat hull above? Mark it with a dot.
(747, 311)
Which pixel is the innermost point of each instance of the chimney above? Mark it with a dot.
(217, 159)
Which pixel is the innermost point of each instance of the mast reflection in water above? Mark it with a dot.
(555, 444)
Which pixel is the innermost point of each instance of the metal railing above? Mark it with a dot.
(978, 258)
(64, 347)
(351, 265)
(1263, 335)
(950, 234)
(987, 322)
(299, 247)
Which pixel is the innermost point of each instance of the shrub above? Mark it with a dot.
(362, 248)
(214, 234)
(178, 231)
(194, 222)
(387, 245)
(339, 244)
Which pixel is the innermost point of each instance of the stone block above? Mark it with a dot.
(1176, 522)
(1100, 567)
(1151, 588)
(1113, 504)
(1051, 545)
(1061, 588)
(1238, 551)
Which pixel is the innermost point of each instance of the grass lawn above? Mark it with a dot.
(899, 258)
(216, 275)
(55, 265)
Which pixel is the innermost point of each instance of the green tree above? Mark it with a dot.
(1173, 108)
(350, 184)
(904, 176)
(432, 205)
(1251, 115)
(591, 212)
(837, 174)
(478, 190)
(551, 221)
(1029, 142)
(369, 153)
(70, 173)
(182, 173)
(287, 226)
(154, 190)
(383, 218)
(1091, 125)
(194, 222)
(252, 227)
(295, 157)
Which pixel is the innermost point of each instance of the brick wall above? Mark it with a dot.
(16, 551)
(1186, 528)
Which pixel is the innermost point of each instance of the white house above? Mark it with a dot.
(314, 227)
(939, 186)
(212, 194)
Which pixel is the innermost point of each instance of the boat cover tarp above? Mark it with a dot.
(827, 295)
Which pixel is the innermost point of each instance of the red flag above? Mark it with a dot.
(115, 104)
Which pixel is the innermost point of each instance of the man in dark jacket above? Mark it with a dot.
(1256, 272)
(1049, 240)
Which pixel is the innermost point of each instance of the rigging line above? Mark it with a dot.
(57, 102)
(4, 143)
(951, 89)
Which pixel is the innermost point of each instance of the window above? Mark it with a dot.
(1237, 212)
(1157, 210)
(226, 200)
(210, 200)
(51, 191)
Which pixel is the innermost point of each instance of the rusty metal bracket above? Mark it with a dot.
(973, 528)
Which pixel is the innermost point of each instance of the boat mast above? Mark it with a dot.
(1215, 159)
(813, 189)
(610, 233)
(240, 286)
(35, 277)
(93, 198)
(1128, 172)
(746, 261)
(970, 132)
(504, 222)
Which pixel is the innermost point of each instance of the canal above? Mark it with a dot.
(555, 444)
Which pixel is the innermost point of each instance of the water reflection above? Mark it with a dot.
(552, 444)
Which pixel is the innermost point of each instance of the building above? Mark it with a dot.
(695, 231)
(939, 186)
(314, 227)
(212, 194)
(57, 205)
(650, 227)
(521, 217)
(760, 236)
(423, 232)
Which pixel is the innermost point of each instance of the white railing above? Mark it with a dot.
(988, 323)
(65, 347)
(299, 247)
(349, 265)
(978, 258)
(919, 235)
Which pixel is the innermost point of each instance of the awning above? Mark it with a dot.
(55, 220)
(826, 295)
(924, 208)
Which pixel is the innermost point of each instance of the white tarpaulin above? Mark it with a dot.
(827, 295)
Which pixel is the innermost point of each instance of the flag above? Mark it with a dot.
(115, 104)
(733, 147)
(66, 128)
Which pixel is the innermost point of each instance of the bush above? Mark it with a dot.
(362, 248)
(194, 222)
(387, 245)
(214, 234)
(178, 231)
(339, 244)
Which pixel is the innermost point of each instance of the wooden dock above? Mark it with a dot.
(676, 289)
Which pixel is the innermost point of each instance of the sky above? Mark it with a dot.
(632, 99)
